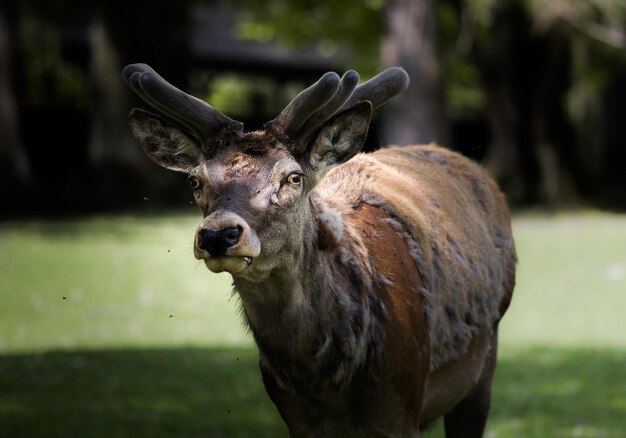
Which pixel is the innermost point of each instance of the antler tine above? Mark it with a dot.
(133, 83)
(380, 88)
(348, 83)
(131, 69)
(198, 116)
(131, 75)
(290, 120)
(199, 113)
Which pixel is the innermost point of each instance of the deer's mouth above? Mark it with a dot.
(230, 264)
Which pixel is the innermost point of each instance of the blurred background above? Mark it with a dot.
(107, 325)
(534, 89)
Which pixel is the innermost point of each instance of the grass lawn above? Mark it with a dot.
(109, 327)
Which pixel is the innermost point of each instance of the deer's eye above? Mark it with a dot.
(194, 182)
(294, 179)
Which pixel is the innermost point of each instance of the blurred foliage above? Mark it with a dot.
(597, 29)
(349, 30)
(50, 80)
(158, 32)
(237, 95)
(463, 95)
(353, 31)
(231, 94)
(509, 69)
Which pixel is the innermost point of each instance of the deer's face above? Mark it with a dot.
(253, 191)
(253, 187)
(251, 195)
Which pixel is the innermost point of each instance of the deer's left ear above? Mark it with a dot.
(340, 138)
(166, 145)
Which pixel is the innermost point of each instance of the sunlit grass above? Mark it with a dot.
(110, 282)
(110, 327)
(571, 282)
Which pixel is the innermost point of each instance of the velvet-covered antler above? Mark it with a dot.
(297, 125)
(308, 111)
(198, 117)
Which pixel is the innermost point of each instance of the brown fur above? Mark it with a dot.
(401, 394)
(389, 401)
(400, 292)
(457, 225)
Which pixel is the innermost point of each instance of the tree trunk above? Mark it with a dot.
(525, 78)
(110, 139)
(614, 178)
(410, 41)
(11, 146)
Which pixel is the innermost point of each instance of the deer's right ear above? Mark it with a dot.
(166, 145)
(340, 138)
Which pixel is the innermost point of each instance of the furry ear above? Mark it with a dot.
(166, 145)
(340, 138)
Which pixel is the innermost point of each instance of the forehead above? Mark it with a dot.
(251, 156)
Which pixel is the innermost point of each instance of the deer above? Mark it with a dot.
(372, 283)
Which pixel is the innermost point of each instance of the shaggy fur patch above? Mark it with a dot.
(456, 223)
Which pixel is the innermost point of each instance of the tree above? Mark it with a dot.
(410, 41)
(401, 32)
(535, 61)
(11, 146)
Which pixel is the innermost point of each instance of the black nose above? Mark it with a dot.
(217, 242)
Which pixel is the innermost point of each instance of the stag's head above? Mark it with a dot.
(253, 187)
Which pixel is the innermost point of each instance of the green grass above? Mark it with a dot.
(571, 283)
(109, 327)
(110, 282)
(185, 392)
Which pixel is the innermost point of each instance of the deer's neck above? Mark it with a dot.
(317, 311)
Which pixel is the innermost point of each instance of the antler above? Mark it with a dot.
(347, 85)
(297, 124)
(380, 88)
(307, 102)
(308, 111)
(197, 116)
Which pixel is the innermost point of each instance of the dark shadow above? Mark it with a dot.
(186, 392)
(562, 391)
(217, 392)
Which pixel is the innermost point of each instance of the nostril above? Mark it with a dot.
(217, 242)
(207, 239)
(231, 235)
